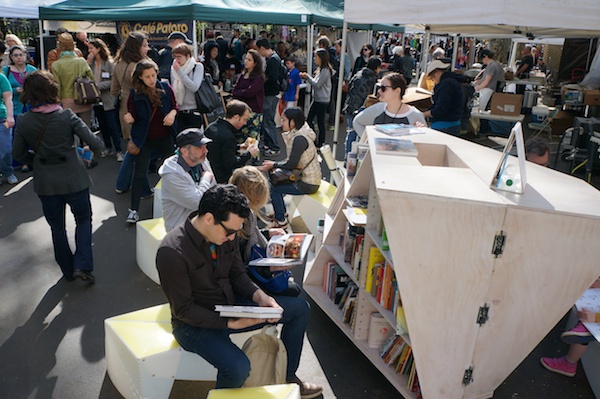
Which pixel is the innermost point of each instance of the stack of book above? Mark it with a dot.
(335, 281)
(396, 353)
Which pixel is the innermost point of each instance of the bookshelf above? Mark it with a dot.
(464, 305)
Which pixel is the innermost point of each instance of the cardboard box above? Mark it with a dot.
(509, 75)
(591, 97)
(506, 104)
(561, 122)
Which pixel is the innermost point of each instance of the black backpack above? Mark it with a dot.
(284, 79)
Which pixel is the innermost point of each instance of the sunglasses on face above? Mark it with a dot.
(384, 88)
(365, 49)
(228, 231)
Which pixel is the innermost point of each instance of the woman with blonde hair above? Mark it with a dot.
(254, 185)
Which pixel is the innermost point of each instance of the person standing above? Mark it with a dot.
(361, 61)
(292, 93)
(223, 150)
(321, 84)
(16, 72)
(250, 88)
(186, 77)
(360, 86)
(185, 177)
(54, 54)
(408, 65)
(102, 67)
(492, 74)
(7, 122)
(151, 112)
(524, 68)
(59, 175)
(448, 99)
(273, 76)
(200, 266)
(165, 57)
(66, 69)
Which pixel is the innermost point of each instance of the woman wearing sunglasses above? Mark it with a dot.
(365, 55)
(391, 109)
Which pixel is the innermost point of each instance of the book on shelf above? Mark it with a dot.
(285, 250)
(348, 310)
(394, 146)
(349, 236)
(356, 216)
(358, 201)
(379, 330)
(357, 255)
(350, 291)
(375, 257)
(398, 129)
(253, 312)
(335, 282)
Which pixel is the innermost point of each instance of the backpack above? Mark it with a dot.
(268, 359)
(285, 78)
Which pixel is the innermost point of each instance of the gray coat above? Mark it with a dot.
(57, 168)
(106, 70)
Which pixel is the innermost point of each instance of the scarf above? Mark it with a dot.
(178, 86)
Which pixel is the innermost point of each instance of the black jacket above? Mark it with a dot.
(447, 98)
(222, 152)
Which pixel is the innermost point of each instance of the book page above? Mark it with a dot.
(285, 250)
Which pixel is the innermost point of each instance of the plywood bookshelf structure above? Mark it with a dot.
(483, 275)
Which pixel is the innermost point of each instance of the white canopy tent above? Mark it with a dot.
(23, 8)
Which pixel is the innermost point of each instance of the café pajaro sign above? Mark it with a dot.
(157, 31)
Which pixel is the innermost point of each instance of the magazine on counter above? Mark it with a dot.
(395, 146)
(398, 129)
(285, 250)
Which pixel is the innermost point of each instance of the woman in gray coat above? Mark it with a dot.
(321, 84)
(103, 66)
(59, 175)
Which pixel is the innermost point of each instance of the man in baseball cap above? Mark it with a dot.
(448, 100)
(185, 177)
(165, 58)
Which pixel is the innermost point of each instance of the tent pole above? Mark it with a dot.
(454, 50)
(338, 102)
(424, 51)
(513, 55)
(42, 55)
(195, 39)
(309, 62)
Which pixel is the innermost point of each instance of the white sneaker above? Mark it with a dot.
(120, 156)
(12, 179)
(133, 217)
(104, 153)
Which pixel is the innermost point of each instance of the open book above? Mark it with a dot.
(285, 250)
(253, 312)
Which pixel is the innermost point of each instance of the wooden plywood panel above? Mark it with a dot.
(443, 263)
(548, 261)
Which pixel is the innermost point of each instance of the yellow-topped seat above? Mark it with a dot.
(282, 391)
(149, 234)
(143, 359)
(312, 207)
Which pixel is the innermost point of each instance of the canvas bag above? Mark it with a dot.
(86, 91)
(268, 359)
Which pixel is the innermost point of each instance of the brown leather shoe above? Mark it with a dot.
(308, 390)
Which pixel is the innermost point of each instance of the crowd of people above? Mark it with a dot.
(149, 117)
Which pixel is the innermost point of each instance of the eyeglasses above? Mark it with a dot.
(18, 55)
(228, 231)
(384, 88)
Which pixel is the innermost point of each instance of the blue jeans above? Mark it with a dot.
(277, 193)
(125, 176)
(215, 346)
(268, 128)
(6, 168)
(164, 146)
(54, 212)
(109, 126)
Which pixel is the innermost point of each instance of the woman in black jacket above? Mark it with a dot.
(59, 175)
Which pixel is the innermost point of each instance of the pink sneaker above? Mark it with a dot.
(559, 365)
(577, 335)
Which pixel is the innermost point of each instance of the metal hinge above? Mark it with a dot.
(499, 241)
(482, 316)
(468, 377)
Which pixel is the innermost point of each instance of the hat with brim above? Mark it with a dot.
(436, 64)
(192, 136)
(66, 42)
(179, 35)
